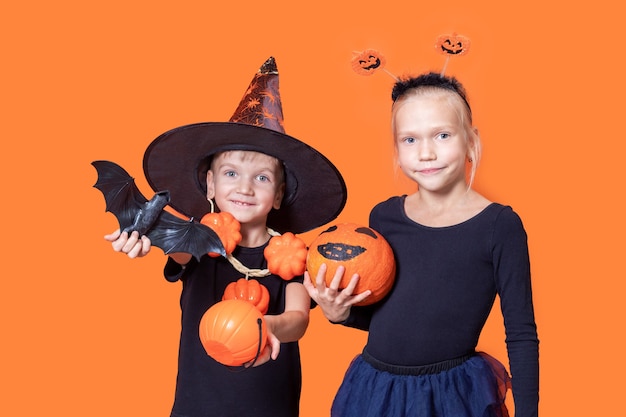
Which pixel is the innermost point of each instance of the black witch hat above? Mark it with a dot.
(178, 160)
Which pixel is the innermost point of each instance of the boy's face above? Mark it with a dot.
(246, 184)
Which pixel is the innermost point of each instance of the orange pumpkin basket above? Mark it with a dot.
(233, 332)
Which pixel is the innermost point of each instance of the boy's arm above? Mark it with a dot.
(291, 325)
(288, 326)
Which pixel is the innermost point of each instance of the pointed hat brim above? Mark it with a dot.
(178, 161)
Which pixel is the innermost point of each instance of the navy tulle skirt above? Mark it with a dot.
(472, 386)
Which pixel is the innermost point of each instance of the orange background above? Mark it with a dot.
(88, 332)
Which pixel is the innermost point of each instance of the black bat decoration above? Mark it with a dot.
(135, 212)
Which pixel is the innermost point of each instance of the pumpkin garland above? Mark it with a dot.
(226, 227)
(249, 290)
(286, 256)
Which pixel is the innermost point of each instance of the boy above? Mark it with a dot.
(264, 178)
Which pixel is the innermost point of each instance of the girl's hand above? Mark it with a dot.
(335, 304)
(133, 245)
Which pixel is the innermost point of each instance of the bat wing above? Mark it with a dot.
(121, 195)
(168, 232)
(173, 234)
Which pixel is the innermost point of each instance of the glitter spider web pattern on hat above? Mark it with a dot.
(261, 105)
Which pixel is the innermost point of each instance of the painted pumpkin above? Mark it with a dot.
(361, 250)
(249, 290)
(233, 332)
(286, 256)
(453, 44)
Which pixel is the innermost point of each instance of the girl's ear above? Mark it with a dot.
(472, 144)
(210, 185)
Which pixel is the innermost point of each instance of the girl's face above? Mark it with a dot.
(431, 140)
(246, 184)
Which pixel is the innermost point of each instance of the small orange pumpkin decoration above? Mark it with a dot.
(286, 256)
(233, 332)
(453, 44)
(361, 250)
(368, 62)
(249, 290)
(226, 227)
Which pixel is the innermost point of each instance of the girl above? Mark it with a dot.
(455, 251)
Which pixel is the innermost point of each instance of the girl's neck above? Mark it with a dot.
(436, 210)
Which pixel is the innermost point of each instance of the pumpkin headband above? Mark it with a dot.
(177, 160)
(369, 61)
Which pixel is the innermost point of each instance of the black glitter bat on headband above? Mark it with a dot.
(135, 212)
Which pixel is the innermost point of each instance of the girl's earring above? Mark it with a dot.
(210, 200)
(470, 160)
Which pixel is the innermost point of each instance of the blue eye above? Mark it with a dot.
(409, 140)
(444, 135)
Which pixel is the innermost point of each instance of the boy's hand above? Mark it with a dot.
(271, 351)
(133, 245)
(335, 304)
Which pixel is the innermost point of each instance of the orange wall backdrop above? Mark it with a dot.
(89, 332)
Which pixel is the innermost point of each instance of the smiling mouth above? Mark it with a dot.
(241, 203)
(429, 171)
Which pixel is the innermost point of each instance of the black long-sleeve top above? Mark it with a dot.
(446, 283)
(205, 387)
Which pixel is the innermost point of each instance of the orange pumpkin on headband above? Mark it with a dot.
(233, 332)
(361, 250)
(453, 44)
